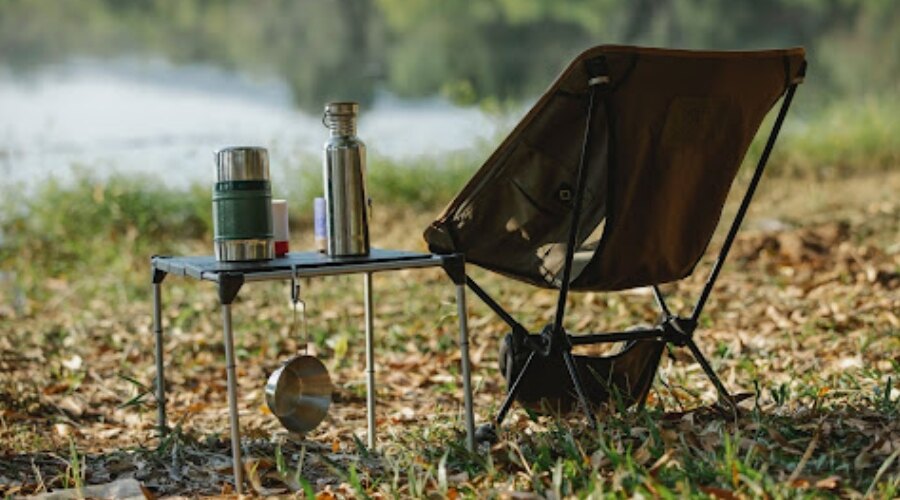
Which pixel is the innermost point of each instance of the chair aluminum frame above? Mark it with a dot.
(672, 329)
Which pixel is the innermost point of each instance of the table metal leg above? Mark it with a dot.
(370, 363)
(462, 312)
(232, 400)
(160, 369)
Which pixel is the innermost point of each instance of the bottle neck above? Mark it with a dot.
(341, 125)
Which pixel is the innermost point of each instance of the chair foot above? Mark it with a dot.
(725, 398)
(579, 389)
(727, 404)
(486, 433)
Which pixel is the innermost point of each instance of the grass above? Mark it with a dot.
(74, 476)
(812, 336)
(841, 138)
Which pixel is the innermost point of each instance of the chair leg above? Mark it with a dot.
(576, 381)
(711, 374)
(487, 433)
(512, 392)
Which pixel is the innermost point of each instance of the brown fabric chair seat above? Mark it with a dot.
(667, 144)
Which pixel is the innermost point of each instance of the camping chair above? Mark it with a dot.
(615, 179)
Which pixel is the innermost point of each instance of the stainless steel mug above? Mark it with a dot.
(346, 201)
(242, 205)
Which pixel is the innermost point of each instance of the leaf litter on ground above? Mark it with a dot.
(805, 317)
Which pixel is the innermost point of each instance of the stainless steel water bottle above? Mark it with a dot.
(242, 205)
(346, 201)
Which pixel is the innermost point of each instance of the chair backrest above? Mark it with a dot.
(666, 141)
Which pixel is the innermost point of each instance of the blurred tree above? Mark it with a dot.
(472, 52)
(863, 56)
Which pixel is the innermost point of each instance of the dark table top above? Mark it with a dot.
(300, 264)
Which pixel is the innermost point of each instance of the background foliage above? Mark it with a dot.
(487, 51)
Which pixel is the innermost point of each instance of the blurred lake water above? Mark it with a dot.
(152, 117)
(155, 86)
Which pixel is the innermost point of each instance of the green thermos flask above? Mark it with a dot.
(242, 205)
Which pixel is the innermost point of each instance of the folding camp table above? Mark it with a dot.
(230, 277)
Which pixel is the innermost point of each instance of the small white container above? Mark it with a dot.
(280, 227)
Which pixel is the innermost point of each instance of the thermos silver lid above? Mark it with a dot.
(342, 108)
(242, 164)
(340, 117)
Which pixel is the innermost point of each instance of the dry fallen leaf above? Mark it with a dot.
(642, 455)
(864, 460)
(325, 495)
(800, 483)
(664, 459)
(721, 493)
(831, 483)
(599, 459)
(73, 363)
